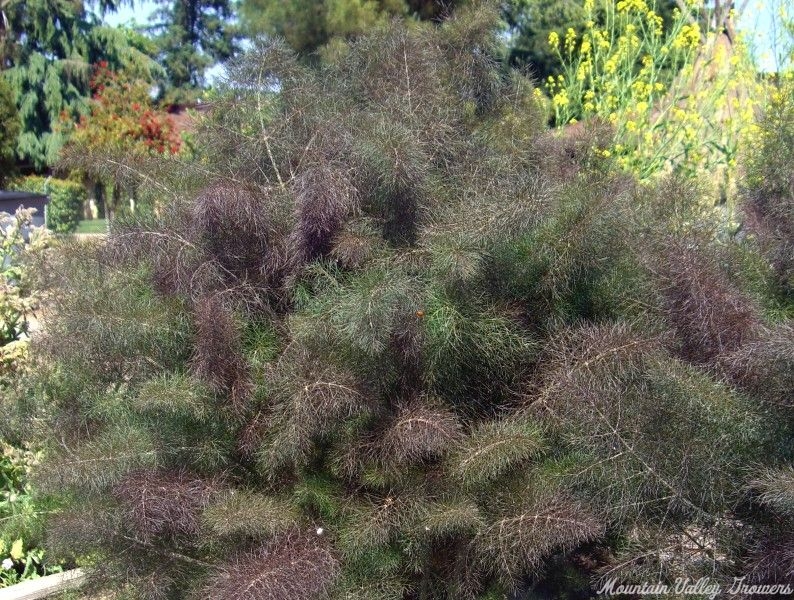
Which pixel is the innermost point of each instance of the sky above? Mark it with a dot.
(139, 14)
(757, 23)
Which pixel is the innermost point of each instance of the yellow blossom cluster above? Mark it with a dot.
(626, 6)
(688, 37)
(678, 98)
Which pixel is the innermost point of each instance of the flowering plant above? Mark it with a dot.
(122, 118)
(678, 98)
(19, 239)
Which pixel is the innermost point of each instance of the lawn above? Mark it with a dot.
(89, 226)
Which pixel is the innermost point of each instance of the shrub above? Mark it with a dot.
(391, 339)
(67, 198)
(768, 194)
(20, 243)
(20, 513)
(21, 519)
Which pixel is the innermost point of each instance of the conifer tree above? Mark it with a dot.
(46, 53)
(9, 117)
(307, 25)
(391, 339)
(191, 36)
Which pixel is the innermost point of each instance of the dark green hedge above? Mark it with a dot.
(66, 200)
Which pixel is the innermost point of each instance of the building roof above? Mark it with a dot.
(20, 196)
(10, 201)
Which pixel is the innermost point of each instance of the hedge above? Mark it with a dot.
(66, 200)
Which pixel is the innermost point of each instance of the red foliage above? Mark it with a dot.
(163, 503)
(123, 118)
(294, 566)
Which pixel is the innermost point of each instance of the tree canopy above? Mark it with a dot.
(192, 35)
(307, 25)
(122, 124)
(9, 130)
(47, 52)
(531, 21)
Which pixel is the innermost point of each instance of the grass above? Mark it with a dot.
(92, 226)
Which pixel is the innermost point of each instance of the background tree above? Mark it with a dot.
(47, 50)
(191, 36)
(530, 22)
(307, 25)
(123, 124)
(9, 118)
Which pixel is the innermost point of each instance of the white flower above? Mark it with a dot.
(8, 564)
(320, 531)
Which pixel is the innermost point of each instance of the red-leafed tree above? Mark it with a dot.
(123, 123)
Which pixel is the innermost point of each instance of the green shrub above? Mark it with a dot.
(21, 519)
(383, 344)
(768, 192)
(66, 200)
(21, 516)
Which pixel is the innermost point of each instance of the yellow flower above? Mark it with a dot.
(560, 100)
(631, 126)
(601, 38)
(554, 40)
(688, 37)
(570, 39)
(655, 22)
(642, 107)
(632, 5)
(640, 88)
